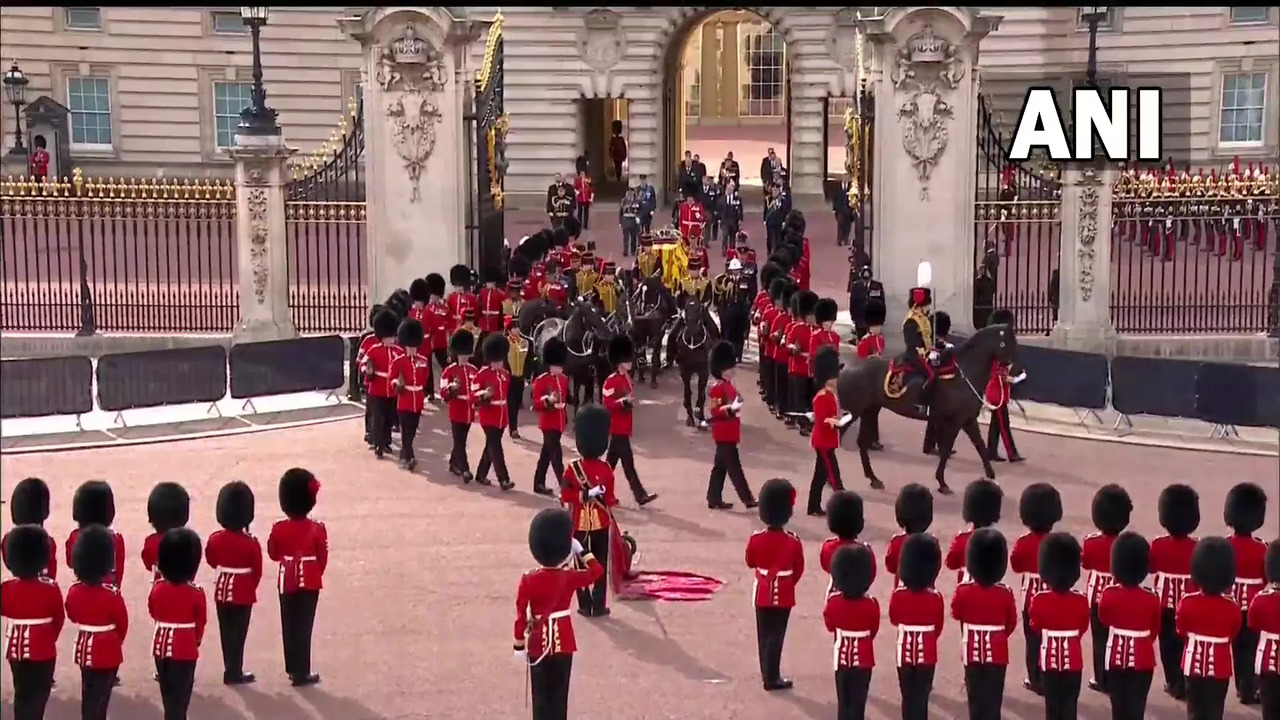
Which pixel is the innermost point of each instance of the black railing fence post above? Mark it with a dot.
(88, 320)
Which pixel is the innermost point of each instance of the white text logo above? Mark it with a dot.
(1042, 124)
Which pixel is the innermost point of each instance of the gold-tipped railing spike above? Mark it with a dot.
(485, 75)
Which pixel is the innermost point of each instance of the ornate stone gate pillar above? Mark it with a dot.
(1084, 276)
(261, 254)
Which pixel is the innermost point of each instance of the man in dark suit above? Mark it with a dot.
(843, 211)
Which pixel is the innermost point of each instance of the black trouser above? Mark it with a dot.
(620, 452)
(771, 632)
(916, 684)
(440, 356)
(549, 685)
(297, 620)
(409, 421)
(1269, 685)
(177, 678)
(852, 685)
(233, 629)
(551, 455)
(32, 683)
(493, 456)
(1206, 698)
(1032, 644)
(1099, 633)
(801, 398)
(826, 471)
(728, 463)
(844, 224)
(1171, 644)
(584, 215)
(95, 692)
(458, 455)
(999, 432)
(630, 238)
(384, 416)
(1244, 647)
(984, 688)
(1061, 695)
(594, 600)
(765, 378)
(515, 399)
(781, 393)
(1129, 690)
(646, 222)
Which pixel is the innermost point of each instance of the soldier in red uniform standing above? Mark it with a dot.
(587, 491)
(776, 558)
(778, 324)
(824, 334)
(29, 505)
(410, 376)
(419, 296)
(367, 341)
(549, 396)
(382, 393)
(872, 344)
(1131, 614)
(585, 193)
(489, 304)
(455, 388)
(1039, 508)
(490, 388)
(726, 429)
(168, 507)
(95, 504)
(460, 301)
(800, 385)
(1111, 510)
(980, 508)
(827, 422)
(1245, 513)
(1208, 621)
(998, 392)
(988, 614)
(854, 619)
(764, 341)
(691, 217)
(1179, 511)
(544, 627)
(913, 511)
(1059, 616)
(846, 522)
(435, 330)
(1264, 619)
(301, 546)
(619, 400)
(179, 612)
(101, 618)
(917, 611)
(31, 606)
(235, 556)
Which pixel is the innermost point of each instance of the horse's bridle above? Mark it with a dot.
(684, 334)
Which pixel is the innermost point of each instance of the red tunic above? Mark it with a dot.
(777, 558)
(819, 339)
(435, 325)
(777, 336)
(618, 400)
(1264, 619)
(548, 396)
(556, 291)
(828, 551)
(461, 305)
(302, 548)
(871, 346)
(533, 285)
(180, 615)
(726, 424)
(102, 622)
(580, 476)
(455, 383)
(490, 390)
(1208, 623)
(1171, 569)
(116, 575)
(1132, 618)
(367, 343)
(692, 217)
(797, 339)
(490, 309)
(891, 556)
(825, 407)
(1060, 619)
(1251, 558)
(987, 616)
(956, 555)
(1095, 557)
(1024, 559)
(544, 624)
(50, 570)
(33, 617)
(999, 386)
(855, 624)
(413, 370)
(584, 191)
(764, 330)
(918, 618)
(800, 273)
(377, 367)
(151, 553)
(236, 559)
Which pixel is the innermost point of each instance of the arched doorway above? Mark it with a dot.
(726, 88)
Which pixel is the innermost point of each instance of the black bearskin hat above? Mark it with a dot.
(591, 431)
(26, 551)
(782, 260)
(804, 302)
(555, 353)
(795, 221)
(844, 515)
(373, 312)
(29, 503)
(1002, 317)
(1179, 510)
(410, 334)
(875, 313)
(491, 275)
(987, 556)
(168, 507)
(385, 323)
(573, 226)
(435, 284)
(723, 357)
(402, 297)
(1273, 562)
(178, 557)
(418, 291)
(551, 537)
(459, 276)
(1246, 508)
(852, 568)
(769, 272)
(777, 502)
(825, 310)
(235, 506)
(826, 365)
(1213, 565)
(462, 343)
(93, 557)
(519, 266)
(298, 488)
(913, 510)
(921, 562)
(94, 504)
(982, 503)
(621, 350)
(495, 348)
(1111, 509)
(1059, 561)
(778, 288)
(941, 324)
(1040, 507)
(1130, 559)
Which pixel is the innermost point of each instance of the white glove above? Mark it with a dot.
(844, 420)
(1018, 378)
(577, 548)
(521, 655)
(595, 492)
(933, 356)
(736, 405)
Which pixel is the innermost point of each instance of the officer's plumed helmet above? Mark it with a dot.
(554, 352)
(913, 510)
(168, 507)
(875, 312)
(1111, 509)
(621, 350)
(987, 556)
(1213, 565)
(777, 502)
(178, 557)
(982, 501)
(1179, 509)
(495, 348)
(1040, 507)
(29, 503)
(844, 515)
(93, 557)
(385, 324)
(462, 343)
(409, 334)
(93, 504)
(459, 275)
(852, 568)
(1002, 317)
(298, 488)
(941, 324)
(1059, 561)
(921, 561)
(418, 291)
(551, 537)
(26, 551)
(723, 357)
(1273, 562)
(235, 506)
(591, 431)
(1246, 508)
(1130, 559)
(825, 310)
(435, 284)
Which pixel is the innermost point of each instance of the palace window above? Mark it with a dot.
(691, 76)
(227, 23)
(89, 100)
(763, 71)
(1244, 104)
(229, 98)
(82, 18)
(1250, 15)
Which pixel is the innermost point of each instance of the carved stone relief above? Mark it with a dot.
(842, 40)
(259, 232)
(1089, 183)
(601, 42)
(412, 74)
(926, 69)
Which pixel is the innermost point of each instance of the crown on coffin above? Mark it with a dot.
(925, 46)
(409, 49)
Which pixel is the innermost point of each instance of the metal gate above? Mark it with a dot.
(488, 230)
(860, 136)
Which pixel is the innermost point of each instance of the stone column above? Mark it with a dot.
(1084, 279)
(260, 238)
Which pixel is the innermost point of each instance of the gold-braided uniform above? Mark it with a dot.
(587, 279)
(607, 293)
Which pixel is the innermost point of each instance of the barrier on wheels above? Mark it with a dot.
(280, 367)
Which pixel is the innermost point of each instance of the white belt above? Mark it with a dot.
(413, 388)
(916, 628)
(984, 628)
(767, 573)
(232, 571)
(30, 622)
(175, 626)
(1100, 574)
(93, 629)
(1193, 637)
(852, 634)
(301, 558)
(379, 374)
(1250, 581)
(1173, 576)
(1131, 633)
(1059, 633)
(492, 312)
(558, 614)
(1268, 637)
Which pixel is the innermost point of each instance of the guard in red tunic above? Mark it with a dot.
(845, 520)
(235, 556)
(382, 392)
(1111, 510)
(691, 217)
(779, 296)
(998, 392)
(619, 399)
(95, 504)
(1264, 619)
(410, 377)
(168, 507)
(490, 388)
(368, 340)
(827, 422)
(544, 627)
(988, 614)
(1131, 614)
(549, 396)
(778, 324)
(824, 334)
(1179, 510)
(435, 330)
(301, 546)
(1208, 621)
(726, 429)
(1060, 617)
(1245, 513)
(31, 606)
(776, 558)
(455, 390)
(489, 304)
(587, 491)
(913, 511)
(29, 505)
(1040, 508)
(761, 303)
(796, 341)
(854, 619)
(983, 500)
(419, 296)
(872, 344)
(101, 619)
(179, 613)
(460, 301)
(917, 612)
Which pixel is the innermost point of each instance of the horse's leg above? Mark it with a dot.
(947, 431)
(866, 439)
(655, 364)
(686, 378)
(702, 396)
(975, 436)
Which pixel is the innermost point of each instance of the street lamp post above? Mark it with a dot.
(258, 118)
(15, 91)
(1093, 16)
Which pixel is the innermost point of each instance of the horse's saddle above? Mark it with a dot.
(901, 372)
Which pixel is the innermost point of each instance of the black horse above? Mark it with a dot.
(650, 307)
(587, 336)
(689, 350)
(869, 385)
(533, 313)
